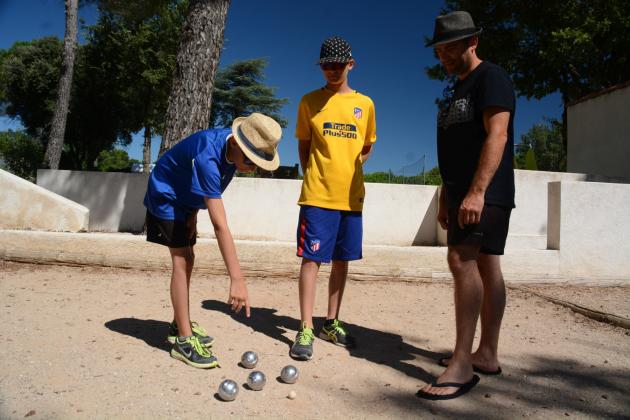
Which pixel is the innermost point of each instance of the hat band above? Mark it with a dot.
(252, 148)
(454, 34)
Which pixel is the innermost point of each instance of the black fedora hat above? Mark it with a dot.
(453, 27)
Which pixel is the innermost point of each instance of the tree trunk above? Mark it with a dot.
(197, 61)
(55, 141)
(146, 150)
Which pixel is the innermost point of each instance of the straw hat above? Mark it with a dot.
(258, 136)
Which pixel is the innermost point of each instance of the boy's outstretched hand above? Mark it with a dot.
(238, 296)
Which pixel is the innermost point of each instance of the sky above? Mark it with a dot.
(387, 40)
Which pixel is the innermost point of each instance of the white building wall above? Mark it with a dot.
(598, 133)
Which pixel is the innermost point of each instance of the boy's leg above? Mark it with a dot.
(308, 278)
(348, 247)
(336, 286)
(183, 260)
(302, 347)
(316, 234)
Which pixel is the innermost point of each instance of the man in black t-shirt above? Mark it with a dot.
(475, 155)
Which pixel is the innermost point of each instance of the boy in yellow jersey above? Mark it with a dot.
(336, 130)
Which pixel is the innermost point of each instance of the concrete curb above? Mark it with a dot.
(265, 259)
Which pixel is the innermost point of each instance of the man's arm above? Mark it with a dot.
(304, 150)
(238, 290)
(495, 121)
(365, 153)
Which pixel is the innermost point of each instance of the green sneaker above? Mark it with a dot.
(302, 348)
(198, 331)
(335, 332)
(190, 351)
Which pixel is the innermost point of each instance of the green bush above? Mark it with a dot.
(20, 154)
(114, 160)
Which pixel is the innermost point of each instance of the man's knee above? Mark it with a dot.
(461, 258)
(490, 267)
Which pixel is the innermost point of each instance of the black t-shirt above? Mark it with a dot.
(461, 134)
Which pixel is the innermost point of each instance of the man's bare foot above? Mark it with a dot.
(484, 364)
(459, 374)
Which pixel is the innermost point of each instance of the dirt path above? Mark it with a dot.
(89, 343)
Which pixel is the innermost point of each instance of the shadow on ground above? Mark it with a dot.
(150, 331)
(548, 386)
(376, 346)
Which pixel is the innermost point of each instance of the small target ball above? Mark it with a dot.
(292, 395)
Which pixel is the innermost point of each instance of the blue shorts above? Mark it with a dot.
(324, 235)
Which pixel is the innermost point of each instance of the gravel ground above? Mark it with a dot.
(85, 342)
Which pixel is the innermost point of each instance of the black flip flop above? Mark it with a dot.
(462, 389)
(442, 362)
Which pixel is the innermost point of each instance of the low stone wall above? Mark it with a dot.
(265, 209)
(114, 198)
(257, 208)
(24, 205)
(588, 223)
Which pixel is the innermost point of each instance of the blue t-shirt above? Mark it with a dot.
(193, 169)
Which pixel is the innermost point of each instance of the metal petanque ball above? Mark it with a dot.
(228, 390)
(249, 359)
(256, 380)
(289, 374)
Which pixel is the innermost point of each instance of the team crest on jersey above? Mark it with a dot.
(315, 245)
(358, 113)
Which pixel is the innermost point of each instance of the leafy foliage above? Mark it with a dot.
(574, 47)
(20, 154)
(29, 72)
(114, 160)
(545, 142)
(431, 177)
(239, 91)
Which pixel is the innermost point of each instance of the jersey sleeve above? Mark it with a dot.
(370, 132)
(496, 91)
(303, 126)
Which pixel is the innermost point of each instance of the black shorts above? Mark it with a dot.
(170, 233)
(490, 233)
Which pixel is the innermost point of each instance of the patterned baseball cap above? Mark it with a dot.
(335, 50)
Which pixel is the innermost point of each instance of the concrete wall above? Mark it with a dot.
(24, 205)
(598, 131)
(528, 223)
(257, 209)
(588, 223)
(114, 199)
(265, 209)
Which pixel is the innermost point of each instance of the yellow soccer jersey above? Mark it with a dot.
(339, 126)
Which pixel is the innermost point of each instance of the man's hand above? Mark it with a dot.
(442, 216)
(238, 296)
(470, 210)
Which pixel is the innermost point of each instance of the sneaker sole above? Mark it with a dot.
(171, 339)
(181, 357)
(300, 356)
(325, 337)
